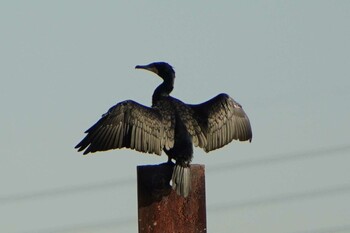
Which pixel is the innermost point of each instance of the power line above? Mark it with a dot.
(282, 198)
(218, 168)
(64, 191)
(315, 153)
(113, 223)
(331, 229)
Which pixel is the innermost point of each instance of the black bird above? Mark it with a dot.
(169, 125)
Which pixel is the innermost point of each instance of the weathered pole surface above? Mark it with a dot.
(161, 210)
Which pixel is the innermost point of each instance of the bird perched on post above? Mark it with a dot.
(169, 125)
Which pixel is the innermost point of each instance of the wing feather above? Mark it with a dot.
(131, 125)
(223, 120)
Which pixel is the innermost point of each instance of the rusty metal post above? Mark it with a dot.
(161, 210)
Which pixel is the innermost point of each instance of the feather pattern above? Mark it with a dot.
(131, 125)
(222, 120)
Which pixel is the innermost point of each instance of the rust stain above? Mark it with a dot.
(161, 210)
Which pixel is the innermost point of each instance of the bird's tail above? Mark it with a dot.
(181, 180)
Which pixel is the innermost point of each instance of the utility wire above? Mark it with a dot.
(282, 158)
(331, 229)
(282, 198)
(64, 191)
(113, 223)
(218, 168)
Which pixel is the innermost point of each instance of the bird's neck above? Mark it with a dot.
(163, 90)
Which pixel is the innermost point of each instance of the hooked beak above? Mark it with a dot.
(151, 68)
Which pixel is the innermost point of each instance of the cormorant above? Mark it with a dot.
(169, 125)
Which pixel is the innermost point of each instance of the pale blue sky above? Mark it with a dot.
(64, 63)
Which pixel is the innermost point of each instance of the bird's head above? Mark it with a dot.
(162, 69)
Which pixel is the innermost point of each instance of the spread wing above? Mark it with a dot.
(130, 125)
(222, 120)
